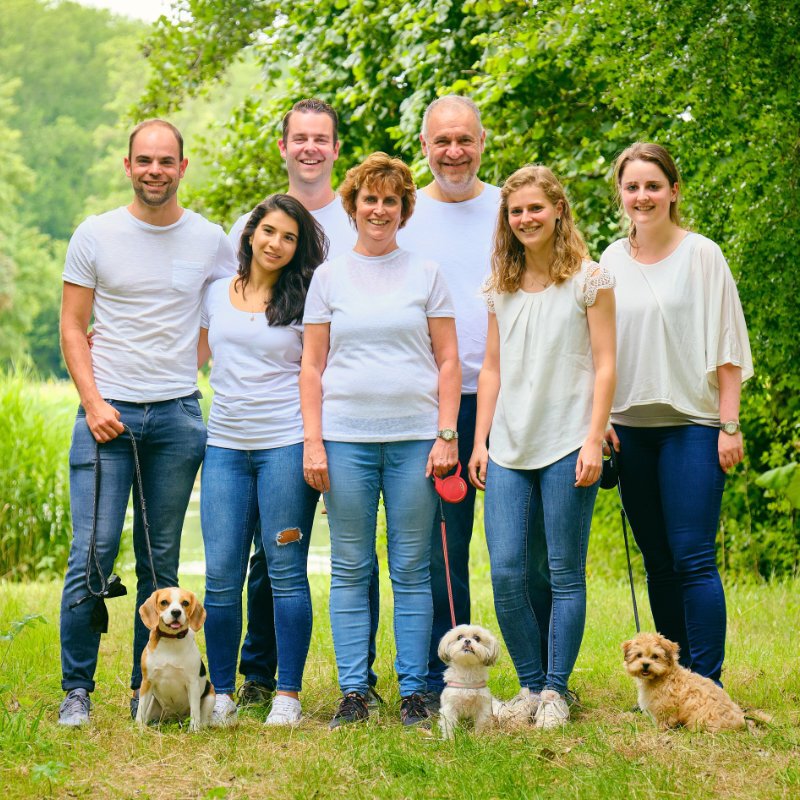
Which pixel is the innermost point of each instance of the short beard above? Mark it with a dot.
(455, 186)
(155, 202)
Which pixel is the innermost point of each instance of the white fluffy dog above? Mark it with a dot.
(469, 651)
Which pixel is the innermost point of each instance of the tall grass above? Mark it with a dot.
(35, 429)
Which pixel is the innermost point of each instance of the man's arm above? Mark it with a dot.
(76, 311)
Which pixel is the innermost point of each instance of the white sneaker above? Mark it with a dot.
(225, 713)
(520, 709)
(285, 711)
(553, 711)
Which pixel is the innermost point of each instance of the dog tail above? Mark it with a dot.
(755, 717)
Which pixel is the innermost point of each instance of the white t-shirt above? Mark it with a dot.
(544, 407)
(254, 376)
(381, 382)
(148, 283)
(333, 218)
(677, 321)
(458, 237)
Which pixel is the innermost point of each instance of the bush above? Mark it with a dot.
(35, 429)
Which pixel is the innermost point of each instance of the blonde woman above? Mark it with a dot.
(545, 392)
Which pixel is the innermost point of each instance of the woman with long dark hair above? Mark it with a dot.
(253, 468)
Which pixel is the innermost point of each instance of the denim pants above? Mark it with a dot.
(258, 660)
(537, 530)
(458, 520)
(240, 491)
(359, 472)
(672, 485)
(170, 437)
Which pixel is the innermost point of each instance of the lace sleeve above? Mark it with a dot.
(597, 278)
(488, 295)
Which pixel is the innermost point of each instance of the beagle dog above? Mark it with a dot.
(174, 680)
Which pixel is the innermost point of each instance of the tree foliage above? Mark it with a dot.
(569, 84)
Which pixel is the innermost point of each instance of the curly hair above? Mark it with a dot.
(384, 174)
(653, 154)
(508, 254)
(289, 292)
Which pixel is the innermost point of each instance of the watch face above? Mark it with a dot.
(447, 434)
(730, 427)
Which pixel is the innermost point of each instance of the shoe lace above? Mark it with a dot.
(414, 706)
(75, 702)
(352, 704)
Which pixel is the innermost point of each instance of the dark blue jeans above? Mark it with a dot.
(458, 520)
(672, 487)
(171, 440)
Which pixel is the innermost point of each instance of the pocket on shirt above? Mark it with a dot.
(187, 276)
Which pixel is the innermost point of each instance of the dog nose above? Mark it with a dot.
(176, 612)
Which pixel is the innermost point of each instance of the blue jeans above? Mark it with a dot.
(458, 519)
(171, 437)
(241, 489)
(672, 485)
(358, 474)
(258, 659)
(537, 529)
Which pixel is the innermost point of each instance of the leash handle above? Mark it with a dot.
(447, 565)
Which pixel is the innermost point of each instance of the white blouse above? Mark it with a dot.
(677, 321)
(544, 407)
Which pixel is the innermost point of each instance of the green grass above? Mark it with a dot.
(606, 752)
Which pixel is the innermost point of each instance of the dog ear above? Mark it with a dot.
(149, 613)
(197, 616)
(672, 649)
(493, 652)
(444, 647)
(626, 646)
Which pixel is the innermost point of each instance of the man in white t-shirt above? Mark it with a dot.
(140, 271)
(453, 224)
(309, 145)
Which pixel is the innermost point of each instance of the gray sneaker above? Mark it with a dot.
(74, 710)
(432, 701)
(254, 693)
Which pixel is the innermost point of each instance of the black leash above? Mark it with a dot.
(111, 586)
(609, 480)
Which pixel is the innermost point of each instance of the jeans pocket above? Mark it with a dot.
(187, 276)
(191, 407)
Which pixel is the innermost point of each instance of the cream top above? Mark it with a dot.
(544, 407)
(677, 321)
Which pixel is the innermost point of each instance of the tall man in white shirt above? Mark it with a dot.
(140, 271)
(309, 145)
(453, 224)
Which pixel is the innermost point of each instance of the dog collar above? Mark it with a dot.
(457, 685)
(181, 635)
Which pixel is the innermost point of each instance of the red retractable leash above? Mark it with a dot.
(452, 489)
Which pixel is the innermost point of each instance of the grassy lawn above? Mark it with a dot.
(607, 751)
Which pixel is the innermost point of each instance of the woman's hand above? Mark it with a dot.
(612, 438)
(315, 465)
(730, 449)
(442, 458)
(589, 464)
(478, 462)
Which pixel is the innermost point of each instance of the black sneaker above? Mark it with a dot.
(352, 708)
(414, 712)
(374, 700)
(254, 693)
(431, 700)
(135, 704)
(74, 710)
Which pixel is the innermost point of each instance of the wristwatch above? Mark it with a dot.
(448, 434)
(731, 427)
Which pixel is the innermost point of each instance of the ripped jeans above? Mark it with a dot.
(238, 489)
